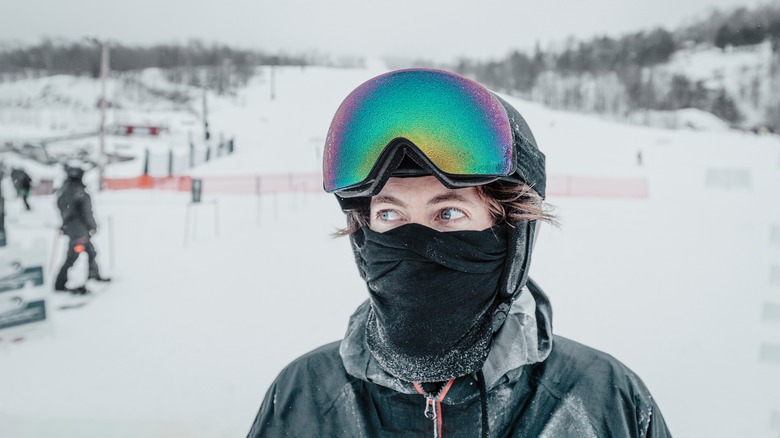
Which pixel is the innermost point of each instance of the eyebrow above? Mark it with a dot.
(448, 197)
(438, 199)
(386, 199)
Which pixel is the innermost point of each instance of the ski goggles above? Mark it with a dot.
(449, 125)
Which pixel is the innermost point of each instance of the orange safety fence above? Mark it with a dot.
(178, 183)
(235, 184)
(557, 185)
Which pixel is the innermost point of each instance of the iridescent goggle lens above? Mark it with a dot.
(456, 123)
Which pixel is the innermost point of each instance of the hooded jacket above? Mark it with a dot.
(535, 385)
(22, 181)
(75, 205)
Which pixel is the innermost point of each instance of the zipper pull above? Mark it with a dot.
(430, 407)
(431, 401)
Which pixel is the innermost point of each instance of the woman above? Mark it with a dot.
(443, 187)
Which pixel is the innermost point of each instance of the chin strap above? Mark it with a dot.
(521, 243)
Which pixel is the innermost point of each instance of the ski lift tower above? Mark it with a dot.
(102, 132)
(103, 76)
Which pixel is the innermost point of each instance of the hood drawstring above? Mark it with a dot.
(483, 402)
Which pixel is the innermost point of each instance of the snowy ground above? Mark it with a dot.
(683, 286)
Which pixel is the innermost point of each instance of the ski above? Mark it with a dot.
(78, 297)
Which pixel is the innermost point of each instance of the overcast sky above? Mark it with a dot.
(435, 29)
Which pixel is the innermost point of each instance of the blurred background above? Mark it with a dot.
(201, 129)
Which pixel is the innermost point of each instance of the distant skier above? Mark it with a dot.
(22, 184)
(78, 223)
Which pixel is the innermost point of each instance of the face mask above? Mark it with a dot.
(432, 297)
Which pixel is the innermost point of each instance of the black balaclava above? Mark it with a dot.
(432, 296)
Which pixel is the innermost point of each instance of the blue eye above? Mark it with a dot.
(388, 215)
(450, 214)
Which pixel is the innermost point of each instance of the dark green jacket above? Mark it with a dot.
(557, 388)
(75, 206)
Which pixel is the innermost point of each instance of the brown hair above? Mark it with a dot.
(508, 203)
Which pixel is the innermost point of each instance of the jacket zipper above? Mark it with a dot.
(433, 405)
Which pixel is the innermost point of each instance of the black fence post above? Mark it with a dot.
(197, 190)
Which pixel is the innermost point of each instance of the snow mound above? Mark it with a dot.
(691, 118)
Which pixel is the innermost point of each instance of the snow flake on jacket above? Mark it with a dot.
(537, 385)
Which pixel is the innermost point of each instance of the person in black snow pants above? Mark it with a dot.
(22, 184)
(78, 223)
(443, 188)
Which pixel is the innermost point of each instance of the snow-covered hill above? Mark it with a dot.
(207, 307)
(745, 73)
(740, 86)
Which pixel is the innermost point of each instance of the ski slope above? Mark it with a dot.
(682, 285)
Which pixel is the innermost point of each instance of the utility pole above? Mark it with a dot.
(274, 62)
(206, 133)
(273, 81)
(102, 135)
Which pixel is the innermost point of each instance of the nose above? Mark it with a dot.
(418, 215)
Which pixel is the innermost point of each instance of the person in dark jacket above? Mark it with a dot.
(443, 185)
(78, 223)
(22, 184)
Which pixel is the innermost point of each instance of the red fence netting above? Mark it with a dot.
(566, 185)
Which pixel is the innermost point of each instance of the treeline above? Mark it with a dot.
(519, 71)
(194, 63)
(617, 75)
(740, 27)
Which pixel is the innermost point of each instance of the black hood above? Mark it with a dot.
(530, 160)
